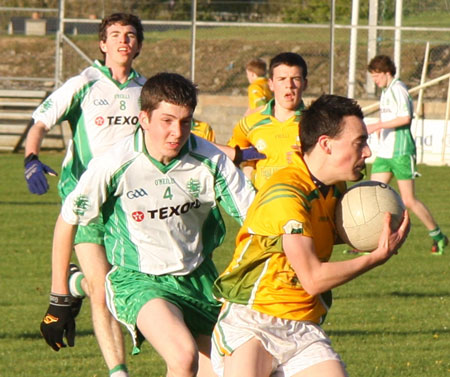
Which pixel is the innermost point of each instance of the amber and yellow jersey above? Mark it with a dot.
(259, 93)
(271, 137)
(203, 129)
(260, 275)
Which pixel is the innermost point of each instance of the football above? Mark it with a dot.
(360, 212)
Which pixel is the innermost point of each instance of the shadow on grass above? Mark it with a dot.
(420, 294)
(394, 294)
(30, 203)
(383, 332)
(37, 335)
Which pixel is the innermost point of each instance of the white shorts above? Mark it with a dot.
(294, 345)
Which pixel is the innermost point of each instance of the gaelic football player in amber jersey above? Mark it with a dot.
(273, 130)
(276, 290)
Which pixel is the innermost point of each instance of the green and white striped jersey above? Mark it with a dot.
(160, 219)
(396, 102)
(100, 111)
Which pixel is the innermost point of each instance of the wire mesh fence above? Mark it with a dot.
(228, 34)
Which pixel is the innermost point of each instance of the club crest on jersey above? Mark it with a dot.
(46, 105)
(293, 227)
(260, 145)
(80, 205)
(193, 187)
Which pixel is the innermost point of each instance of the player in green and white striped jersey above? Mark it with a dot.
(101, 105)
(396, 155)
(158, 192)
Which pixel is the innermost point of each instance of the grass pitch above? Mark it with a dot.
(393, 321)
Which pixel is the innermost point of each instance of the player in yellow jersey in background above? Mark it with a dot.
(276, 290)
(274, 129)
(203, 129)
(259, 92)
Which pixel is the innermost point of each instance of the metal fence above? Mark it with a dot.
(336, 53)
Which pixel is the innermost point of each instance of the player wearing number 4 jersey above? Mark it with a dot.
(101, 106)
(158, 192)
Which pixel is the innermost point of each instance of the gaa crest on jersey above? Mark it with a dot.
(80, 205)
(193, 187)
(293, 227)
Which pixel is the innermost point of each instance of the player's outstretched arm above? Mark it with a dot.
(35, 170)
(58, 321)
(318, 277)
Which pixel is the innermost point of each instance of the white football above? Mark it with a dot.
(360, 213)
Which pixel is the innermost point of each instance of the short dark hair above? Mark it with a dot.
(122, 19)
(168, 87)
(257, 66)
(382, 63)
(290, 59)
(324, 117)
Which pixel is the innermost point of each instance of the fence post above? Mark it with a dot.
(353, 49)
(59, 47)
(398, 35)
(332, 22)
(372, 43)
(193, 38)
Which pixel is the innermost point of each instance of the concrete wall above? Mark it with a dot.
(223, 112)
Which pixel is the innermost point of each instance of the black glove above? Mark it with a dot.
(58, 322)
(247, 154)
(35, 172)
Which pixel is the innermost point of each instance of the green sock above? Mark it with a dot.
(75, 285)
(119, 368)
(436, 234)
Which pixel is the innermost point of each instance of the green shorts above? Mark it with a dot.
(402, 167)
(128, 291)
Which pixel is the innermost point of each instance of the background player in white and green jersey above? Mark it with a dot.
(397, 150)
(274, 288)
(158, 192)
(101, 105)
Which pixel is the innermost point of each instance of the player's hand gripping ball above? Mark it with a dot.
(360, 213)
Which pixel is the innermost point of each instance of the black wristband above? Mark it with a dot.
(238, 155)
(60, 300)
(30, 157)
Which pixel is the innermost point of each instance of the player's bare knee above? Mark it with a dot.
(97, 294)
(183, 364)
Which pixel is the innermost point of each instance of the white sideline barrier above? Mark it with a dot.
(428, 134)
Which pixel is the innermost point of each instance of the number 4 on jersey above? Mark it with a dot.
(168, 194)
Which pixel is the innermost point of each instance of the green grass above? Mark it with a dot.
(393, 321)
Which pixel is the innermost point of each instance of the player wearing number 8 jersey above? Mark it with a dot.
(101, 106)
(100, 112)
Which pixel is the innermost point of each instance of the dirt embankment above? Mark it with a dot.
(219, 63)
